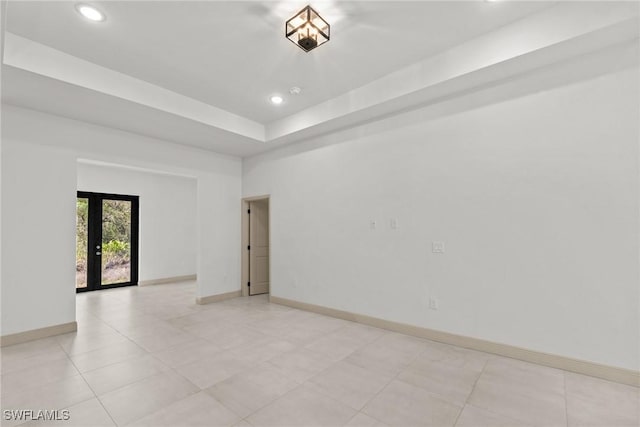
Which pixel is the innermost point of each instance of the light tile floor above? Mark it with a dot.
(151, 357)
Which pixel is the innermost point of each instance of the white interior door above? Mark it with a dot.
(259, 247)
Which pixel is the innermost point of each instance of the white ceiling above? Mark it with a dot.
(234, 55)
(200, 73)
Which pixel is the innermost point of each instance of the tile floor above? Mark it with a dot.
(151, 357)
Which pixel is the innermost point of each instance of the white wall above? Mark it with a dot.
(167, 216)
(39, 184)
(536, 199)
(37, 236)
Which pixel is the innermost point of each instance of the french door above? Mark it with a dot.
(106, 241)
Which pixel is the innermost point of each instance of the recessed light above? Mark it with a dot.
(276, 99)
(90, 12)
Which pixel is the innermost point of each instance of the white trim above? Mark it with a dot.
(175, 279)
(36, 334)
(217, 298)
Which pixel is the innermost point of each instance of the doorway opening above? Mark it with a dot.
(255, 246)
(106, 241)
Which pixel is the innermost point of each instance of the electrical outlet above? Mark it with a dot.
(393, 223)
(372, 224)
(437, 247)
(434, 303)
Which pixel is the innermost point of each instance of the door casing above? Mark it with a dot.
(244, 254)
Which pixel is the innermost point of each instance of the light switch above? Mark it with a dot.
(437, 247)
(393, 223)
(372, 225)
(434, 303)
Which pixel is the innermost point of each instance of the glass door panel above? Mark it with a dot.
(82, 236)
(116, 242)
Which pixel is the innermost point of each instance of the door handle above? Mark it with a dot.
(98, 253)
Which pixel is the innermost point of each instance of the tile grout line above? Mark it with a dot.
(92, 391)
(148, 353)
(89, 385)
(475, 383)
(394, 378)
(333, 363)
(62, 379)
(291, 379)
(299, 347)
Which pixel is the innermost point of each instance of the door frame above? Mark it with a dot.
(244, 244)
(94, 269)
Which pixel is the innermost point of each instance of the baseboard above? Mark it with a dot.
(188, 278)
(611, 373)
(218, 297)
(36, 334)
